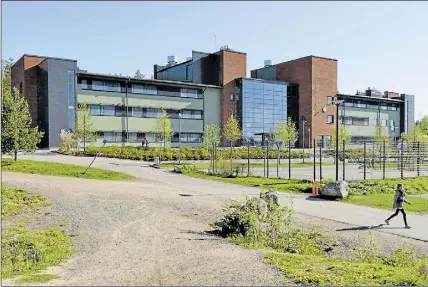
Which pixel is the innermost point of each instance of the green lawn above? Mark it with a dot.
(26, 252)
(384, 201)
(61, 169)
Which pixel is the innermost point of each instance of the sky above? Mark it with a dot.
(377, 44)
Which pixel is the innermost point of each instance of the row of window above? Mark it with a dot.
(358, 121)
(119, 111)
(136, 137)
(366, 104)
(109, 86)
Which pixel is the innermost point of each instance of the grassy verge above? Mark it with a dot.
(61, 169)
(304, 256)
(25, 252)
(326, 271)
(384, 201)
(16, 200)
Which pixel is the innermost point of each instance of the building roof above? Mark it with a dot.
(54, 58)
(310, 56)
(363, 97)
(145, 81)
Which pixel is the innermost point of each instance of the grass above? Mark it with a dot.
(61, 169)
(285, 185)
(272, 164)
(327, 271)
(37, 278)
(25, 252)
(384, 201)
(16, 200)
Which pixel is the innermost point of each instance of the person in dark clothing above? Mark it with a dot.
(399, 199)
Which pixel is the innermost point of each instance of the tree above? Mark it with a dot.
(17, 133)
(164, 128)
(68, 140)
(343, 136)
(232, 133)
(139, 75)
(211, 136)
(287, 132)
(85, 126)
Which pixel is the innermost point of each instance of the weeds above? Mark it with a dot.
(16, 200)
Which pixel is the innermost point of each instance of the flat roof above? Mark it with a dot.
(146, 81)
(54, 58)
(361, 97)
(268, 81)
(310, 56)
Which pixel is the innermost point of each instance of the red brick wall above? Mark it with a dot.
(232, 65)
(299, 71)
(324, 84)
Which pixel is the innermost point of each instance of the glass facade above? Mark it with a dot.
(263, 105)
(71, 99)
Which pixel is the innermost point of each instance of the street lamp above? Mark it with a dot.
(303, 138)
(337, 102)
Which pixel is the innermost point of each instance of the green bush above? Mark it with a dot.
(187, 153)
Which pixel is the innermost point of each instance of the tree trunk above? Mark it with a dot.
(231, 150)
(15, 155)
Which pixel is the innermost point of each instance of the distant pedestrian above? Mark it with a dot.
(399, 199)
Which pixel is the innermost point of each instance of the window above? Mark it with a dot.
(190, 93)
(113, 136)
(330, 119)
(71, 98)
(173, 114)
(360, 121)
(137, 89)
(143, 89)
(108, 110)
(151, 90)
(383, 123)
(197, 115)
(320, 142)
(329, 100)
(137, 112)
(97, 85)
(111, 87)
(20, 88)
(191, 137)
(392, 107)
(349, 104)
(95, 110)
(153, 113)
(84, 85)
(383, 107)
(186, 114)
(119, 111)
(373, 106)
(348, 120)
(327, 140)
(361, 104)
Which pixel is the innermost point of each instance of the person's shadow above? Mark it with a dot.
(362, 228)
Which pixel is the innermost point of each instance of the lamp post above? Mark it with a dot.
(303, 137)
(337, 102)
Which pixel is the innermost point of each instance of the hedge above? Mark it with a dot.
(187, 153)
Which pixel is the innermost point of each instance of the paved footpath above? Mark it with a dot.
(359, 216)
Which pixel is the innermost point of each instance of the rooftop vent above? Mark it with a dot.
(268, 63)
(172, 59)
(225, 48)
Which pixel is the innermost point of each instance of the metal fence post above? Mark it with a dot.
(401, 159)
(315, 165)
(267, 160)
(264, 165)
(384, 158)
(365, 159)
(277, 164)
(344, 159)
(320, 159)
(248, 163)
(418, 159)
(289, 159)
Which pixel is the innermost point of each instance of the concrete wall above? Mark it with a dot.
(58, 98)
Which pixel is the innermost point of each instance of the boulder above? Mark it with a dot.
(338, 189)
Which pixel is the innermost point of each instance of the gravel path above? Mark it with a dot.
(143, 233)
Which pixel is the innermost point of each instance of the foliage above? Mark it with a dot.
(287, 132)
(17, 133)
(139, 75)
(85, 125)
(61, 169)
(68, 141)
(343, 136)
(164, 128)
(418, 133)
(417, 185)
(24, 252)
(37, 278)
(231, 130)
(16, 200)
(211, 136)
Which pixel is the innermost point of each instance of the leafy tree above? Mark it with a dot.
(17, 133)
(232, 133)
(416, 134)
(343, 136)
(85, 126)
(287, 132)
(139, 75)
(164, 128)
(211, 136)
(68, 140)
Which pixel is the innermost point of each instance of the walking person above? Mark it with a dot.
(399, 199)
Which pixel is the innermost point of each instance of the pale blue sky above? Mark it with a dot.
(380, 44)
